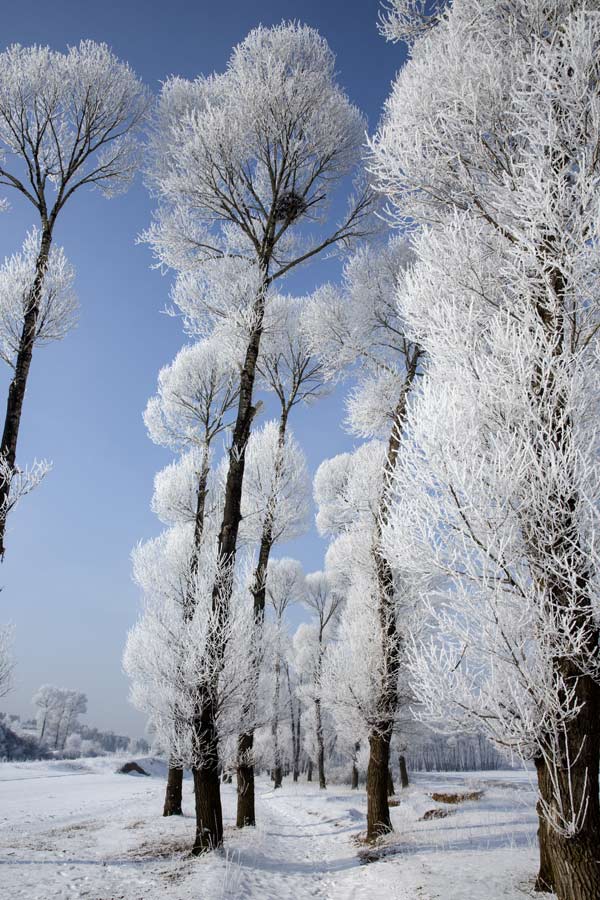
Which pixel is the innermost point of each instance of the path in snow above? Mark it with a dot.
(96, 835)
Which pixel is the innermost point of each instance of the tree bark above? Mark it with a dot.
(570, 865)
(18, 385)
(246, 812)
(174, 791)
(174, 788)
(354, 778)
(309, 770)
(403, 771)
(545, 879)
(378, 811)
(567, 774)
(320, 746)
(378, 814)
(390, 789)
(277, 770)
(209, 815)
(298, 745)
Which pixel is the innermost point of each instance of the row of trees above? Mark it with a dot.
(460, 583)
(462, 548)
(244, 165)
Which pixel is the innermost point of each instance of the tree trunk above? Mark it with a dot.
(309, 770)
(568, 773)
(174, 788)
(298, 745)
(545, 879)
(245, 772)
(403, 771)
(378, 813)
(354, 776)
(173, 793)
(320, 746)
(277, 771)
(209, 818)
(246, 814)
(571, 865)
(378, 810)
(18, 385)
(209, 815)
(390, 789)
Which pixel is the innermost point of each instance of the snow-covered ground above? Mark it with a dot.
(78, 830)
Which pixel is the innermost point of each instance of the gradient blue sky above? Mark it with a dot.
(66, 582)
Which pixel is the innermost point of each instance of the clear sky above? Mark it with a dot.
(66, 581)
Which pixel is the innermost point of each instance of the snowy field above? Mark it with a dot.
(78, 830)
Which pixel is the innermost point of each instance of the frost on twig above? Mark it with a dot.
(408, 20)
(22, 481)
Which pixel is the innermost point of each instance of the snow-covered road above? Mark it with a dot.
(78, 830)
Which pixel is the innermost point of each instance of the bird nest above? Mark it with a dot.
(289, 206)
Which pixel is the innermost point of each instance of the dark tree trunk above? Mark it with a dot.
(174, 791)
(209, 815)
(174, 788)
(354, 777)
(209, 818)
(570, 866)
(246, 814)
(18, 385)
(403, 771)
(320, 746)
(391, 791)
(378, 813)
(297, 746)
(309, 770)
(378, 810)
(545, 879)
(277, 773)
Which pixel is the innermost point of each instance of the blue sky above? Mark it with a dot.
(66, 582)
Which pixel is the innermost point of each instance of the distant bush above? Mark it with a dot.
(15, 746)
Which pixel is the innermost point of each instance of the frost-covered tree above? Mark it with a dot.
(67, 120)
(169, 654)
(58, 710)
(285, 585)
(290, 369)
(56, 316)
(195, 398)
(6, 660)
(274, 509)
(407, 20)
(489, 141)
(311, 644)
(167, 657)
(360, 326)
(243, 163)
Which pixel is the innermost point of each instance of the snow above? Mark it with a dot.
(77, 829)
